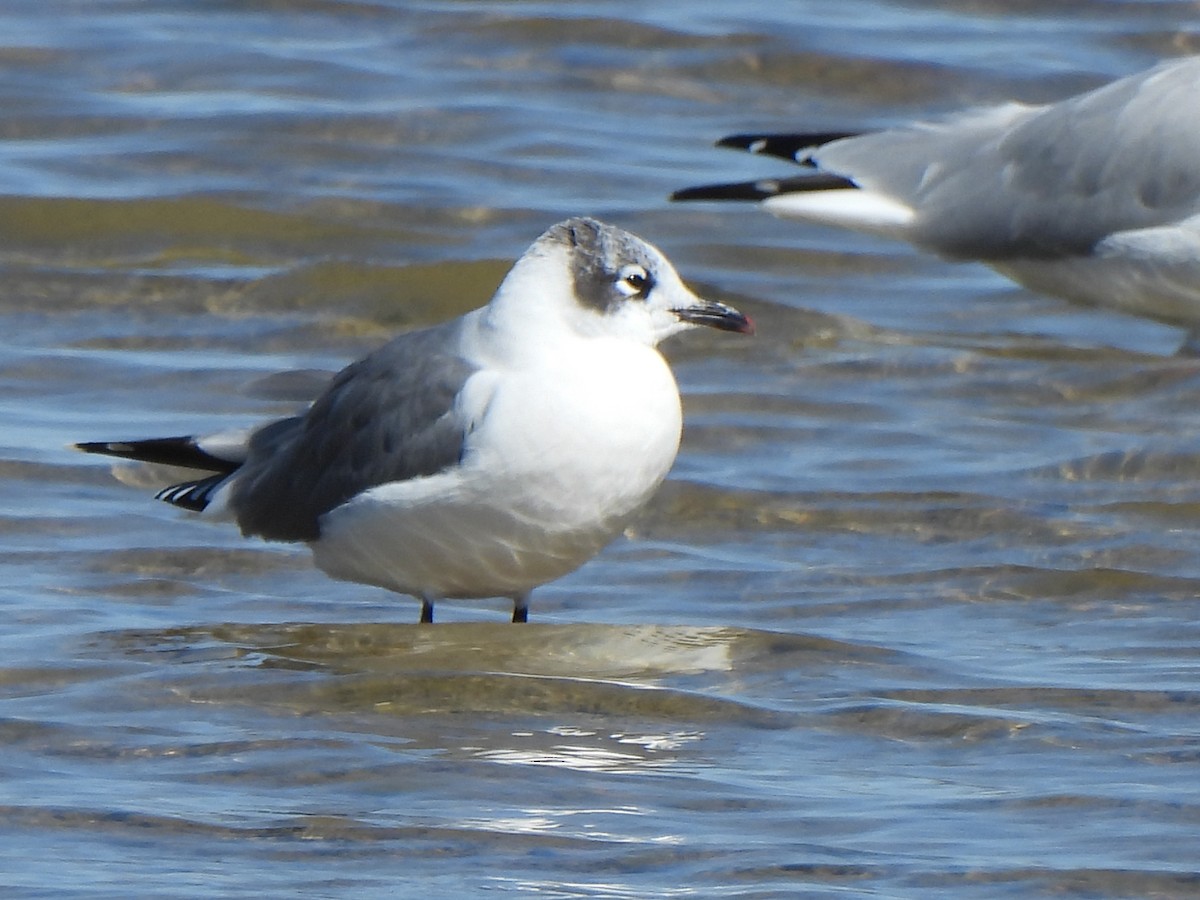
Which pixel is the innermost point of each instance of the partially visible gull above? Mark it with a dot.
(1095, 199)
(483, 456)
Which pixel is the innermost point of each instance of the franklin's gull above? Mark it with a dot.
(483, 456)
(1095, 199)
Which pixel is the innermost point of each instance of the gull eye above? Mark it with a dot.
(634, 281)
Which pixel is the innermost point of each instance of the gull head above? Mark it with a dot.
(605, 282)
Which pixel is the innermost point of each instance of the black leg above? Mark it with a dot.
(521, 608)
(426, 611)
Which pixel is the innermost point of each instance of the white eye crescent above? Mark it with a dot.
(634, 281)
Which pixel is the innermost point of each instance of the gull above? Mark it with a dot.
(480, 457)
(1094, 199)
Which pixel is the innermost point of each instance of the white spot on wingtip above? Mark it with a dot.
(758, 146)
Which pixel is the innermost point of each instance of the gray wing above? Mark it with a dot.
(389, 417)
(1042, 181)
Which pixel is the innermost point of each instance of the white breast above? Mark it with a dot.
(565, 451)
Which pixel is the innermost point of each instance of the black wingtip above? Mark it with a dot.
(743, 190)
(794, 147)
(765, 188)
(172, 451)
(192, 495)
(93, 447)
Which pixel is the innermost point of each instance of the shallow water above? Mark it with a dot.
(916, 614)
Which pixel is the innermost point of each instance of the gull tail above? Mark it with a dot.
(184, 452)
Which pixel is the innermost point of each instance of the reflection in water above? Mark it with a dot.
(638, 653)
